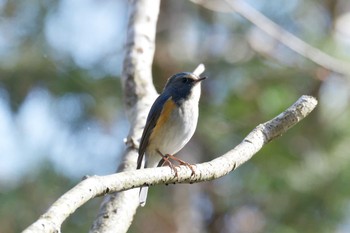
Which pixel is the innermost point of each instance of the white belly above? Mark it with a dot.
(179, 129)
(175, 133)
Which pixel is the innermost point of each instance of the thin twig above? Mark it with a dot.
(288, 39)
(280, 34)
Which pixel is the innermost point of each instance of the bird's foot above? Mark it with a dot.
(167, 158)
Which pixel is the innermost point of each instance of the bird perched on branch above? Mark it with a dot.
(170, 124)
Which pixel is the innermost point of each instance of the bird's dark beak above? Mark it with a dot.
(201, 79)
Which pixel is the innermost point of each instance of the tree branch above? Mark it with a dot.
(280, 34)
(117, 210)
(100, 185)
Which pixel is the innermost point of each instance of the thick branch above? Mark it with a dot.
(100, 185)
(117, 210)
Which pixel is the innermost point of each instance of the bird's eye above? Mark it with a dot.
(184, 80)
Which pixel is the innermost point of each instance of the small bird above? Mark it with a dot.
(170, 124)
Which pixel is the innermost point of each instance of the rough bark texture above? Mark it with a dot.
(117, 210)
(128, 180)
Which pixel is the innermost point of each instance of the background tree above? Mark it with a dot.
(60, 105)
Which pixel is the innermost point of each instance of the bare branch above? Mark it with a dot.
(100, 185)
(280, 34)
(117, 210)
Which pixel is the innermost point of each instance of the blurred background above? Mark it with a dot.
(62, 117)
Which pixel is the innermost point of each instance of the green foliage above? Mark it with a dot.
(297, 183)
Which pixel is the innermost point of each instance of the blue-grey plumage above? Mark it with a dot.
(171, 122)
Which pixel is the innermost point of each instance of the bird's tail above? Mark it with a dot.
(143, 195)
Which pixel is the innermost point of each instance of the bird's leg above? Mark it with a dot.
(181, 162)
(167, 161)
(167, 158)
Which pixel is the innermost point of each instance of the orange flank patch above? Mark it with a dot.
(164, 115)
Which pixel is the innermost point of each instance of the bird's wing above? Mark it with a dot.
(153, 117)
